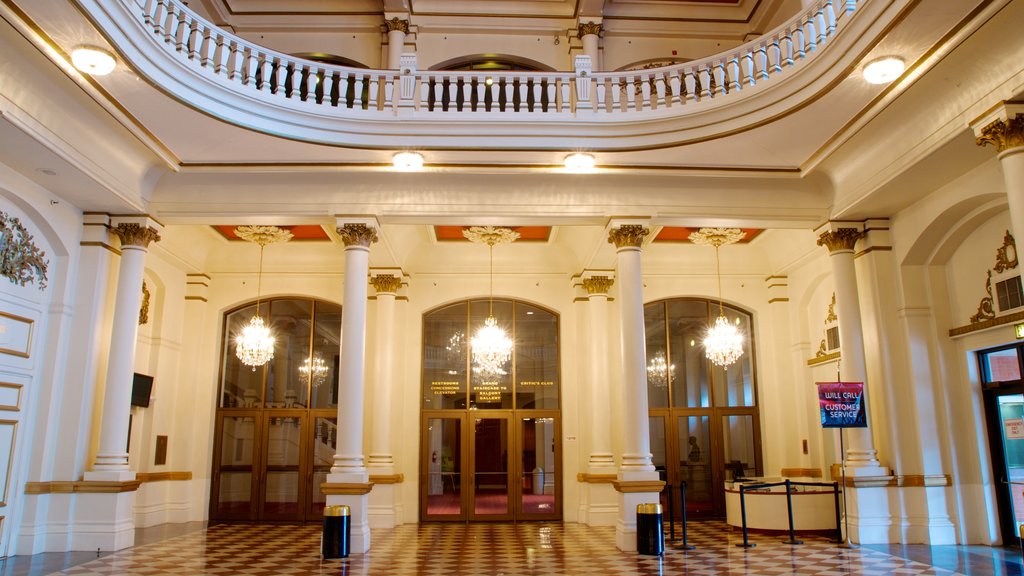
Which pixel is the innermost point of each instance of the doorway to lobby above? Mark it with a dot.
(490, 440)
(1003, 391)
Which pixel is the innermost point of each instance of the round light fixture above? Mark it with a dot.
(579, 162)
(407, 161)
(93, 60)
(884, 70)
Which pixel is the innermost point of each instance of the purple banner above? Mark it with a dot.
(842, 405)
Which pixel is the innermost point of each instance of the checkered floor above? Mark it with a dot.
(498, 549)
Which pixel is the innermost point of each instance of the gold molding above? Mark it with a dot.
(840, 239)
(347, 488)
(628, 235)
(774, 300)
(132, 234)
(637, 486)
(1006, 259)
(199, 298)
(16, 407)
(598, 284)
(398, 24)
(984, 324)
(387, 478)
(82, 487)
(823, 359)
(1003, 135)
(587, 28)
(144, 308)
(357, 235)
(386, 283)
(871, 249)
(587, 478)
(162, 476)
(108, 247)
(925, 480)
(800, 472)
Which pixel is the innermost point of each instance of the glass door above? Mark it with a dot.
(283, 491)
(1003, 391)
(539, 483)
(235, 472)
(442, 496)
(324, 445)
(490, 470)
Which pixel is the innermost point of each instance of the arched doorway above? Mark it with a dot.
(276, 425)
(490, 443)
(704, 420)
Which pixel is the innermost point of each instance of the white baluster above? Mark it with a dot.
(170, 21)
(424, 103)
(690, 79)
(819, 21)
(312, 77)
(720, 80)
(204, 48)
(565, 90)
(538, 103)
(675, 84)
(373, 96)
(799, 42)
(786, 49)
(830, 17)
(552, 103)
(733, 75)
(332, 84)
(810, 35)
(645, 93)
(389, 90)
(616, 89)
(232, 59)
(761, 62)
(705, 83)
(774, 56)
(357, 91)
(251, 61)
(524, 103)
(601, 89)
(659, 86)
(495, 94)
(438, 92)
(481, 94)
(467, 94)
(631, 93)
(147, 12)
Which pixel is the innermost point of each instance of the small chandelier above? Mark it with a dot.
(315, 367)
(723, 343)
(659, 371)
(490, 347)
(255, 345)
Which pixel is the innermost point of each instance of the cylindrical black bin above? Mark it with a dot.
(649, 536)
(337, 532)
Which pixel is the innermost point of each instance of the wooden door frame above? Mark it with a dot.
(518, 473)
(254, 485)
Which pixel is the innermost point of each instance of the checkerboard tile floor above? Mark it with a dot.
(495, 549)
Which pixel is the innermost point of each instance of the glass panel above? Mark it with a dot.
(325, 443)
(1002, 366)
(284, 441)
(695, 462)
(326, 350)
(658, 367)
(445, 346)
(242, 385)
(538, 465)
(444, 469)
(1011, 423)
(237, 449)
(491, 390)
(738, 442)
(288, 371)
(734, 386)
(688, 320)
(536, 355)
(658, 448)
(490, 466)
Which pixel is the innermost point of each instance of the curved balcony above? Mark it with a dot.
(249, 85)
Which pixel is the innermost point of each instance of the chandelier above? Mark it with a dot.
(491, 348)
(723, 343)
(254, 346)
(316, 368)
(659, 371)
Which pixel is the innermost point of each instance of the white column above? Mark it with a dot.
(397, 29)
(1004, 129)
(590, 34)
(111, 463)
(348, 483)
(637, 481)
(840, 238)
(601, 460)
(381, 462)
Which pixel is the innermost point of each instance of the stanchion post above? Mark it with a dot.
(839, 518)
(682, 507)
(671, 515)
(743, 518)
(789, 508)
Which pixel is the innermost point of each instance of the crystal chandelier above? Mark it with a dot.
(723, 343)
(315, 367)
(659, 371)
(490, 347)
(254, 346)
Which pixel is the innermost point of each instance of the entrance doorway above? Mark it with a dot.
(1003, 391)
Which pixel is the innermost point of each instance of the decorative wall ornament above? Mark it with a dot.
(398, 24)
(144, 310)
(985, 307)
(1003, 135)
(831, 319)
(386, 283)
(1006, 259)
(21, 261)
(135, 234)
(1006, 256)
(628, 235)
(840, 239)
(597, 284)
(587, 28)
(357, 235)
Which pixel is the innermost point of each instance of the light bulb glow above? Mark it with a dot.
(579, 162)
(407, 161)
(255, 345)
(884, 70)
(723, 343)
(93, 60)
(491, 349)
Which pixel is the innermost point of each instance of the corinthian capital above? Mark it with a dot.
(357, 235)
(597, 284)
(1004, 135)
(386, 283)
(132, 234)
(398, 24)
(586, 28)
(628, 235)
(840, 239)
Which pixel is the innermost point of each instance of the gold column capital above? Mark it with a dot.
(132, 234)
(386, 283)
(357, 235)
(398, 24)
(590, 27)
(1004, 135)
(628, 235)
(598, 284)
(840, 239)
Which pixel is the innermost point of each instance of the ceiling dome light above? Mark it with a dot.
(579, 162)
(407, 161)
(93, 60)
(884, 70)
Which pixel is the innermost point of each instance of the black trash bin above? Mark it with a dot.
(649, 536)
(337, 532)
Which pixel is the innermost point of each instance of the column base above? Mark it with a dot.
(103, 521)
(352, 490)
(634, 487)
(382, 512)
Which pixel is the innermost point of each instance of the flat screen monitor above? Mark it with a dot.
(142, 387)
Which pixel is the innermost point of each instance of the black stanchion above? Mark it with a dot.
(743, 517)
(682, 507)
(839, 519)
(789, 508)
(671, 514)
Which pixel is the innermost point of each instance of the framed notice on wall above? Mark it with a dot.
(842, 405)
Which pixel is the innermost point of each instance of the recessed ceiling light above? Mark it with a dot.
(93, 60)
(884, 70)
(407, 161)
(579, 162)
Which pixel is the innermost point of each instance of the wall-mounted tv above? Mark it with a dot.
(142, 387)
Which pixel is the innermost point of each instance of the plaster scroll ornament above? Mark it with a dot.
(21, 261)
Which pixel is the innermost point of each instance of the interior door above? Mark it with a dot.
(236, 472)
(442, 494)
(539, 487)
(1004, 406)
(283, 493)
(491, 490)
